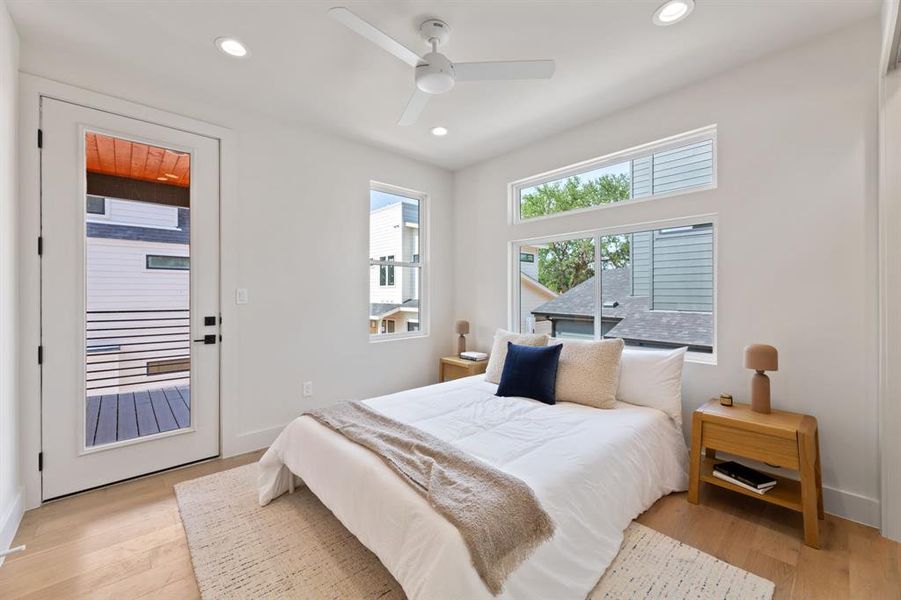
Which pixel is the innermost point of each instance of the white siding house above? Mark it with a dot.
(137, 294)
(393, 290)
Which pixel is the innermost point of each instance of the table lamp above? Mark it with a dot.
(462, 329)
(761, 358)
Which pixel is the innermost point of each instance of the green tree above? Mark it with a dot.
(563, 265)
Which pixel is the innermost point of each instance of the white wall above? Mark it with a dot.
(299, 216)
(10, 482)
(797, 177)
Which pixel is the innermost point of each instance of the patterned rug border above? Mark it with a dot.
(295, 547)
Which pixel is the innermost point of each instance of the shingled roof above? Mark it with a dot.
(637, 322)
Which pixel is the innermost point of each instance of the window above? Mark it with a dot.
(397, 262)
(526, 257)
(168, 263)
(96, 205)
(683, 163)
(651, 287)
(386, 270)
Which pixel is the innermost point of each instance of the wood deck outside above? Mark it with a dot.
(116, 417)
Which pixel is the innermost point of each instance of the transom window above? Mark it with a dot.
(651, 287)
(676, 165)
(396, 262)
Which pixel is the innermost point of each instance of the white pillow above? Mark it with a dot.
(499, 350)
(588, 372)
(653, 378)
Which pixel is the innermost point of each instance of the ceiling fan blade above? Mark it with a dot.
(414, 107)
(376, 36)
(513, 69)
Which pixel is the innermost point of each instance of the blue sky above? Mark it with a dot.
(379, 199)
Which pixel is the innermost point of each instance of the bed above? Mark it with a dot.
(592, 470)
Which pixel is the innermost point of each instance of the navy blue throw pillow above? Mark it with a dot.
(530, 372)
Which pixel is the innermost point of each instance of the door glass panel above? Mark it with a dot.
(137, 290)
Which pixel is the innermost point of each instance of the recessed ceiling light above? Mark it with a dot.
(231, 46)
(162, 179)
(439, 131)
(673, 11)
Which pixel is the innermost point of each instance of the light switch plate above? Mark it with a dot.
(241, 296)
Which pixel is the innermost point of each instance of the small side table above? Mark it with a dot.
(790, 440)
(454, 367)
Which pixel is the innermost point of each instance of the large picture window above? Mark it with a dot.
(396, 252)
(652, 287)
(675, 165)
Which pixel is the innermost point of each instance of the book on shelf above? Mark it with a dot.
(744, 474)
(760, 491)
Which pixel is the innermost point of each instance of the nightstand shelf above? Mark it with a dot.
(787, 492)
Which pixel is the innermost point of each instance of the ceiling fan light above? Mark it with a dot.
(439, 131)
(672, 12)
(232, 47)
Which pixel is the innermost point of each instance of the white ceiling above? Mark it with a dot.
(307, 68)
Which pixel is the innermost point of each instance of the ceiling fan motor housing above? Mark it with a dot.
(435, 75)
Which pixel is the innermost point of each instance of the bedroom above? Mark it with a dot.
(309, 204)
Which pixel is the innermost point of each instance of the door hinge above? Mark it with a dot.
(40, 355)
(40, 461)
(40, 138)
(40, 245)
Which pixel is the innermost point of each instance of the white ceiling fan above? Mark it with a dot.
(434, 73)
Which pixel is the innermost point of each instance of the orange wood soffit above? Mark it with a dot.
(133, 160)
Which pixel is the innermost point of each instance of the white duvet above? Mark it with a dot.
(592, 470)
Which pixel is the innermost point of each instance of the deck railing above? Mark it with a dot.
(128, 350)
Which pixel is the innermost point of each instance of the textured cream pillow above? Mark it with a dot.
(588, 372)
(499, 350)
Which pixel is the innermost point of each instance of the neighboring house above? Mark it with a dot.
(532, 292)
(138, 278)
(394, 291)
(664, 299)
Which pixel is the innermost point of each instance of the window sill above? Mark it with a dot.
(378, 338)
(701, 358)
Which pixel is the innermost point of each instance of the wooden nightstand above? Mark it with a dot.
(789, 440)
(454, 367)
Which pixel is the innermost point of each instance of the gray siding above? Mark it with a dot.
(641, 263)
(683, 269)
(684, 167)
(641, 177)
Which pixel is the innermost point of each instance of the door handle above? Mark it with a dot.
(210, 338)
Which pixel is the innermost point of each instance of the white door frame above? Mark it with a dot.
(32, 88)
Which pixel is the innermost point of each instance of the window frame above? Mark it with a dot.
(422, 263)
(150, 255)
(96, 215)
(697, 135)
(514, 247)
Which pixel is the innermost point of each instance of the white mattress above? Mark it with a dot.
(592, 470)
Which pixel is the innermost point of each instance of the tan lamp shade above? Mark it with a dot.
(761, 357)
(462, 327)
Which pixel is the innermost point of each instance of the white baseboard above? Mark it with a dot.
(9, 523)
(250, 441)
(851, 506)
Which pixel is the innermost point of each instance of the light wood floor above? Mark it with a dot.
(127, 541)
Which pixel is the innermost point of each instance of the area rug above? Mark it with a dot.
(296, 548)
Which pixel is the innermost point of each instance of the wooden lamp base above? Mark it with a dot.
(760, 393)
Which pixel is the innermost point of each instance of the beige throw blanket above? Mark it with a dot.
(497, 514)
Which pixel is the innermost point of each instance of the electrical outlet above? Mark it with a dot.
(307, 389)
